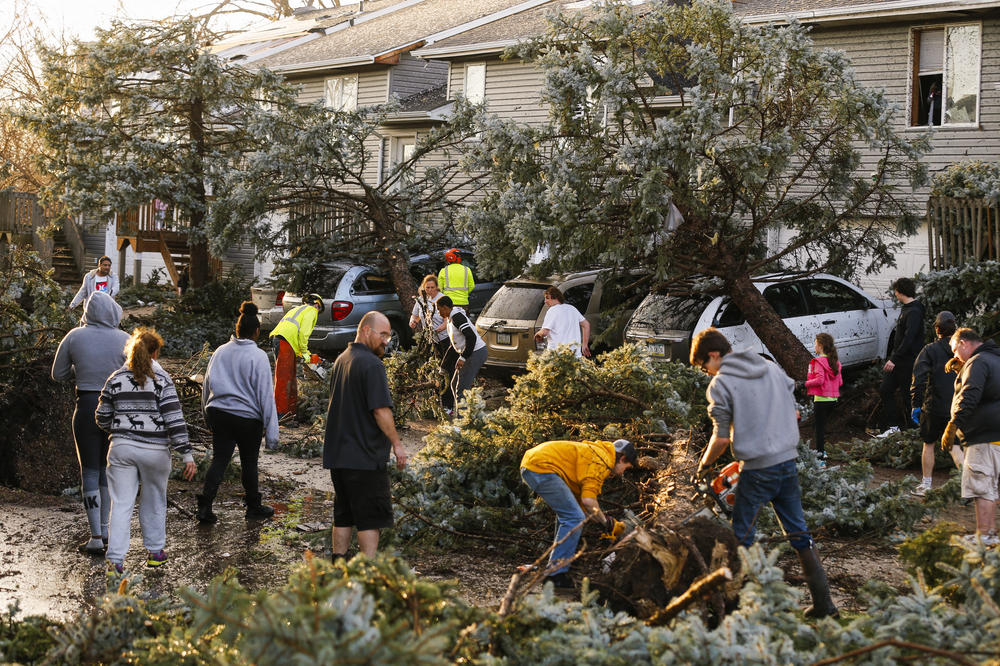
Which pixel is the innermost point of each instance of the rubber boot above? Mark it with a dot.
(205, 514)
(256, 510)
(819, 589)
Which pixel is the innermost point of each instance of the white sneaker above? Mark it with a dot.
(891, 431)
(988, 539)
(920, 490)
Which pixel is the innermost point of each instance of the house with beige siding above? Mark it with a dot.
(360, 55)
(938, 60)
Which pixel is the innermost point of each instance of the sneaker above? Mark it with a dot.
(260, 512)
(116, 568)
(157, 559)
(891, 431)
(988, 539)
(561, 581)
(920, 490)
(94, 547)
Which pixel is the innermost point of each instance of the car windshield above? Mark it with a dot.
(516, 301)
(673, 313)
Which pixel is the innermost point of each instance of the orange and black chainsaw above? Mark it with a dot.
(718, 491)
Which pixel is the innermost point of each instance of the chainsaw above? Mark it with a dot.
(719, 493)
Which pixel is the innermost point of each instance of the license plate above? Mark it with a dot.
(657, 349)
(504, 339)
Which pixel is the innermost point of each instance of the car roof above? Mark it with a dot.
(558, 278)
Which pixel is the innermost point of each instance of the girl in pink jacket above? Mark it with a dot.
(823, 383)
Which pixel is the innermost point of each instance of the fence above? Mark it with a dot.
(20, 214)
(319, 220)
(154, 216)
(961, 230)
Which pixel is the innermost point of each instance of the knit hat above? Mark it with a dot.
(944, 317)
(625, 447)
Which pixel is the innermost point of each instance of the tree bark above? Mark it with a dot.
(397, 262)
(782, 344)
(197, 246)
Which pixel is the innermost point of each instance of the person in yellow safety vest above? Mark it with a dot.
(455, 279)
(569, 477)
(291, 340)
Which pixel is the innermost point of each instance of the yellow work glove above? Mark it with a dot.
(948, 438)
(613, 530)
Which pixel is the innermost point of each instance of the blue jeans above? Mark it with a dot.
(779, 485)
(557, 495)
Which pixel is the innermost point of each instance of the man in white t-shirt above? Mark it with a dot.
(564, 325)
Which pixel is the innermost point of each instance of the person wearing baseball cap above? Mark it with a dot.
(569, 477)
(930, 394)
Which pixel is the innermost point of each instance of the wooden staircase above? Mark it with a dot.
(155, 228)
(66, 272)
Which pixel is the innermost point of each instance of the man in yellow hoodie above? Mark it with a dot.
(569, 476)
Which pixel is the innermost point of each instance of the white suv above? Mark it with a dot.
(860, 324)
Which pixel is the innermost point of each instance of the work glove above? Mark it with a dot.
(613, 530)
(314, 359)
(915, 415)
(948, 438)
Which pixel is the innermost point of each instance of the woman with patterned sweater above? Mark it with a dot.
(140, 409)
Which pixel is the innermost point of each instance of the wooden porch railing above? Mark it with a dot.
(321, 220)
(154, 216)
(961, 230)
(20, 214)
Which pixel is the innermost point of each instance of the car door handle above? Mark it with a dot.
(829, 321)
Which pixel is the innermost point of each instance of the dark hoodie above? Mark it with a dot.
(975, 409)
(909, 333)
(933, 388)
(96, 348)
(750, 401)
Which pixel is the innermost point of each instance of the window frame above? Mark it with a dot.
(465, 81)
(913, 76)
(342, 79)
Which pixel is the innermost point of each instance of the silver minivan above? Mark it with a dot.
(861, 325)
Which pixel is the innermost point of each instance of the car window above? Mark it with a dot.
(672, 313)
(420, 270)
(517, 301)
(729, 315)
(830, 296)
(325, 280)
(373, 283)
(786, 299)
(579, 296)
(625, 290)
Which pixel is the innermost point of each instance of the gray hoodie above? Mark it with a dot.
(89, 287)
(94, 349)
(238, 381)
(750, 401)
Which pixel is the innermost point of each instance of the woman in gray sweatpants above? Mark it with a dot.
(140, 409)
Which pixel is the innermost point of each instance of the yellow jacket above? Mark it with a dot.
(455, 281)
(296, 327)
(582, 465)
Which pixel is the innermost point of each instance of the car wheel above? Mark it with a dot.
(397, 342)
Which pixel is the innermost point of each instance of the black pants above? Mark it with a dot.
(821, 414)
(898, 380)
(91, 441)
(448, 368)
(228, 433)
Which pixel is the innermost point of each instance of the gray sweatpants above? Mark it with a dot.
(465, 376)
(130, 464)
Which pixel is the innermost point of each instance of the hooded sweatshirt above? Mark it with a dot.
(821, 380)
(96, 348)
(750, 401)
(975, 409)
(89, 287)
(238, 381)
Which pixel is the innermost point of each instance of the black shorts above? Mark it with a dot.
(932, 427)
(361, 498)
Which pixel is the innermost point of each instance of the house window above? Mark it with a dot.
(946, 76)
(475, 82)
(340, 93)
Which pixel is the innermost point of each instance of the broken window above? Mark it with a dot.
(946, 76)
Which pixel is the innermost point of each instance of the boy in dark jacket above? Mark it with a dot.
(930, 395)
(909, 340)
(975, 420)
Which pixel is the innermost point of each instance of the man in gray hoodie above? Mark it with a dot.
(92, 351)
(752, 408)
(99, 279)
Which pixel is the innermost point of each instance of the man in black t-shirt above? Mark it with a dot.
(359, 434)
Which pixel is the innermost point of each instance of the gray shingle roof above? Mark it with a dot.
(397, 30)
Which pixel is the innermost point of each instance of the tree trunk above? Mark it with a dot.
(396, 261)
(198, 246)
(781, 343)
